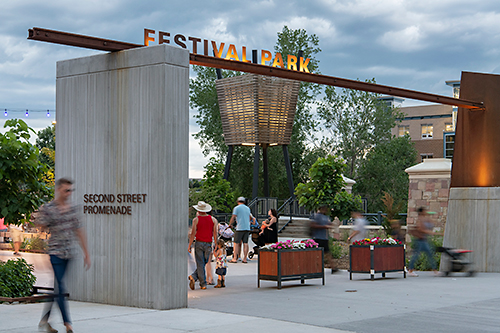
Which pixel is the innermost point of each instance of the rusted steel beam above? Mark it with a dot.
(65, 38)
(201, 60)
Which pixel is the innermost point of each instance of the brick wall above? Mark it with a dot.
(431, 193)
(429, 146)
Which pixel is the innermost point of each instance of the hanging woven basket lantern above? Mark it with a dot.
(257, 109)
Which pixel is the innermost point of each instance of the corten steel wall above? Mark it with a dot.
(476, 159)
(122, 128)
(474, 204)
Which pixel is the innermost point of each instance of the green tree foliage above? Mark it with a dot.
(325, 188)
(357, 121)
(22, 188)
(46, 144)
(384, 171)
(344, 204)
(214, 190)
(203, 98)
(16, 278)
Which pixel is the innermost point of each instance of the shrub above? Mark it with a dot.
(37, 244)
(16, 278)
(335, 249)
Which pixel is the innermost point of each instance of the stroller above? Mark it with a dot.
(456, 261)
(226, 234)
(258, 241)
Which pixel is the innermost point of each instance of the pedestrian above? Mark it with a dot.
(221, 263)
(204, 230)
(16, 233)
(421, 231)
(61, 218)
(359, 228)
(242, 217)
(320, 225)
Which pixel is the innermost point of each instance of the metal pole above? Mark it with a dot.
(256, 172)
(266, 170)
(228, 162)
(288, 171)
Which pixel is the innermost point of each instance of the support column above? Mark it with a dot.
(123, 135)
(229, 158)
(256, 161)
(288, 171)
(265, 161)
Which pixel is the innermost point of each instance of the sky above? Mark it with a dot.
(416, 45)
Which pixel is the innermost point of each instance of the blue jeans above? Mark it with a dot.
(422, 246)
(59, 266)
(202, 253)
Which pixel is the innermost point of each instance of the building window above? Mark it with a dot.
(403, 129)
(449, 145)
(425, 156)
(427, 131)
(448, 127)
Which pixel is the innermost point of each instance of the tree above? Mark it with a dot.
(22, 188)
(357, 122)
(214, 190)
(384, 171)
(325, 188)
(46, 144)
(203, 97)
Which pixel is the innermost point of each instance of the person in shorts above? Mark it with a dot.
(242, 217)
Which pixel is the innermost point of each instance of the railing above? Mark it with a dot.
(290, 207)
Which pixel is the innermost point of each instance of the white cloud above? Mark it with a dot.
(406, 40)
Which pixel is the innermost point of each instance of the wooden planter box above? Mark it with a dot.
(285, 265)
(374, 259)
(36, 297)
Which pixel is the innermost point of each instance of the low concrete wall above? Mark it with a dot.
(474, 223)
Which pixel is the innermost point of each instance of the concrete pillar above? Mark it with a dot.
(122, 135)
(349, 183)
(429, 187)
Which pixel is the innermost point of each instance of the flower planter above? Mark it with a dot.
(286, 265)
(374, 259)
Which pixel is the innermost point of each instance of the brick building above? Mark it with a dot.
(431, 127)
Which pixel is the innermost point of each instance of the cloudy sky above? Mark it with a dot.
(411, 44)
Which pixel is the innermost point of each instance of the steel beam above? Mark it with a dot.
(58, 37)
(201, 60)
(65, 38)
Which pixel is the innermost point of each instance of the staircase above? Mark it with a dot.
(298, 228)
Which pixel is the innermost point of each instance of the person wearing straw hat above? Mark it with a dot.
(204, 230)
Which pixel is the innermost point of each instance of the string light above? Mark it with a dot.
(12, 112)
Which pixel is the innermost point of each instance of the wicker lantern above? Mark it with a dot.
(257, 109)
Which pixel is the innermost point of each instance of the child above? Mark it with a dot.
(221, 263)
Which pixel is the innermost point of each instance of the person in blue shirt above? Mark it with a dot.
(320, 228)
(242, 217)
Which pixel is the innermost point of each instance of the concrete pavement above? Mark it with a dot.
(415, 304)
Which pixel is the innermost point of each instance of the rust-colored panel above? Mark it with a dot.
(389, 258)
(476, 159)
(268, 262)
(301, 262)
(360, 259)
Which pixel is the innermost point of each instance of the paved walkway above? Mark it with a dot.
(423, 304)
